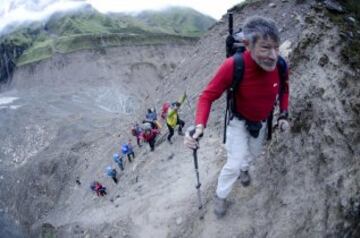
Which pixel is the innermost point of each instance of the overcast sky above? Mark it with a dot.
(214, 8)
(12, 11)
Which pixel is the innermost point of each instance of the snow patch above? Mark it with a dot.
(7, 100)
(14, 107)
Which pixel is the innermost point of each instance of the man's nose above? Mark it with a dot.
(273, 54)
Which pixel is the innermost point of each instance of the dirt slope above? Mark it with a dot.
(306, 184)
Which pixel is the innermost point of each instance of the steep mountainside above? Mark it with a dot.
(65, 117)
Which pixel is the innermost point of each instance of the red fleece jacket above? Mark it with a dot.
(150, 136)
(255, 95)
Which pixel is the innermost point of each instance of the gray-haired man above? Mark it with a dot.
(254, 102)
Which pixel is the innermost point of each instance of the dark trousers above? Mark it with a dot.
(181, 124)
(121, 165)
(129, 155)
(152, 144)
(115, 179)
(138, 141)
(101, 192)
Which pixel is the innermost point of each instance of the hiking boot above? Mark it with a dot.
(244, 178)
(219, 206)
(181, 133)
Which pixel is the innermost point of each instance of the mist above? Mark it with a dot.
(17, 12)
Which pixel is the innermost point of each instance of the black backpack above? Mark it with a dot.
(237, 53)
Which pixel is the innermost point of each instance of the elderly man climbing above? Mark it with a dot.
(264, 78)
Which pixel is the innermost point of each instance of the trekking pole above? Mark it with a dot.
(198, 185)
(228, 54)
(229, 39)
(230, 23)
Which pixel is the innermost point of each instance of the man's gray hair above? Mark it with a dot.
(260, 27)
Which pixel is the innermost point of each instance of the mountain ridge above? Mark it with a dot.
(38, 40)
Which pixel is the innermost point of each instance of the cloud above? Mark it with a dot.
(215, 9)
(17, 12)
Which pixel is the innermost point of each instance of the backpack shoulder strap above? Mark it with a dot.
(282, 68)
(238, 76)
(230, 92)
(238, 71)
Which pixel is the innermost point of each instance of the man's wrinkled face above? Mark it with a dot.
(265, 53)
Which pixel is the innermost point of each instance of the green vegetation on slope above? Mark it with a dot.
(177, 20)
(349, 27)
(89, 29)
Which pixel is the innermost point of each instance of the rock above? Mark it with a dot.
(317, 7)
(343, 35)
(272, 5)
(350, 34)
(171, 156)
(333, 6)
(285, 48)
(178, 221)
(350, 20)
(48, 230)
(324, 59)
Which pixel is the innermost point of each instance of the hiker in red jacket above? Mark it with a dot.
(253, 103)
(98, 188)
(136, 131)
(149, 135)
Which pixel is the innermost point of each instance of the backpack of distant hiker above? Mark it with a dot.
(110, 171)
(124, 148)
(238, 76)
(133, 131)
(164, 109)
(93, 186)
(147, 126)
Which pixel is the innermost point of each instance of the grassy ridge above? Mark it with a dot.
(88, 29)
(67, 44)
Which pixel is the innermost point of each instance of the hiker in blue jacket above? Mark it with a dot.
(131, 152)
(112, 173)
(128, 151)
(119, 160)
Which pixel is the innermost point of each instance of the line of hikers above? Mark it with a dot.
(147, 132)
(127, 151)
(150, 128)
